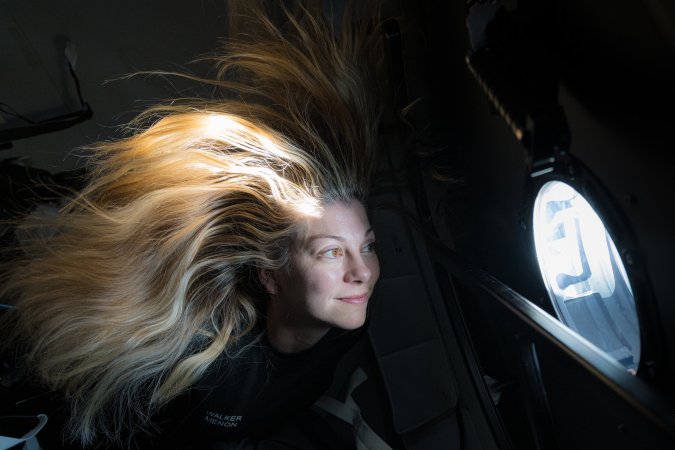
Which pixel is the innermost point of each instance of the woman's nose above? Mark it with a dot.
(358, 270)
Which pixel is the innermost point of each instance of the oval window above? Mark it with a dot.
(584, 274)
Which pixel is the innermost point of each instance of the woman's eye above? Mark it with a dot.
(369, 248)
(333, 252)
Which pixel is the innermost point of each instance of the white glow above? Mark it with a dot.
(579, 262)
(567, 231)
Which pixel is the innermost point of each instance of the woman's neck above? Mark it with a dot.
(292, 339)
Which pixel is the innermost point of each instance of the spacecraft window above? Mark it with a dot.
(584, 274)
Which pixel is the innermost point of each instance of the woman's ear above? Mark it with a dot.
(268, 280)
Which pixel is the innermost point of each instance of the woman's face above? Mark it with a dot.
(332, 272)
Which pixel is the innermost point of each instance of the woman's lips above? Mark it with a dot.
(355, 299)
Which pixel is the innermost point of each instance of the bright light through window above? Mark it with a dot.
(584, 274)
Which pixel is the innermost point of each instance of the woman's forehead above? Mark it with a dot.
(339, 220)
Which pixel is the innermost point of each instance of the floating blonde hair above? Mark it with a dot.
(148, 274)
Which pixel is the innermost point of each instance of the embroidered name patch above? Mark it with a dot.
(221, 420)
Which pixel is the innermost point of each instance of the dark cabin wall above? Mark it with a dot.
(112, 39)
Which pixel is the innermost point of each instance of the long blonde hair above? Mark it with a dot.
(149, 273)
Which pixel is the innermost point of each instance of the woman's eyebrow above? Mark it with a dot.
(332, 236)
(324, 236)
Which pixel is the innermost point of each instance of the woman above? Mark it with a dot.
(195, 290)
